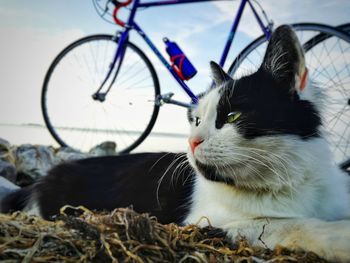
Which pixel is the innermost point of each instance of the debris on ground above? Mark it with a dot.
(125, 236)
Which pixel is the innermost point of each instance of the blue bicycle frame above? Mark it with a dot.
(132, 25)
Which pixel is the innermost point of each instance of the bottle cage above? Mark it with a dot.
(178, 69)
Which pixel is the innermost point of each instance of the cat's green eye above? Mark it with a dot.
(233, 116)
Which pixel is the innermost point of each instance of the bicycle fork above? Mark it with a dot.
(121, 39)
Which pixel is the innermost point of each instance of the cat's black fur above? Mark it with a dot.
(266, 108)
(106, 183)
(211, 173)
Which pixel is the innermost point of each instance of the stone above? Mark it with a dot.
(26, 163)
(8, 171)
(6, 152)
(34, 160)
(105, 148)
(4, 144)
(69, 154)
(4, 183)
(6, 187)
(24, 179)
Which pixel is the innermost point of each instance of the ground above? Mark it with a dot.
(125, 236)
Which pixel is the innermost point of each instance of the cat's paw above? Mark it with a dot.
(330, 240)
(336, 240)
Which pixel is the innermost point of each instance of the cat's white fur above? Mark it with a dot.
(288, 191)
(33, 209)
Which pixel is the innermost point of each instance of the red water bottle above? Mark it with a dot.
(180, 63)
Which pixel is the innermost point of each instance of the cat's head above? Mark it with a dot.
(243, 131)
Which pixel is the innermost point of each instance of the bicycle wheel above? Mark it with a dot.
(327, 55)
(75, 119)
(344, 27)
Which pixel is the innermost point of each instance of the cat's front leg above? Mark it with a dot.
(330, 240)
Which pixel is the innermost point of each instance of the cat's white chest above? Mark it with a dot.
(212, 208)
(217, 204)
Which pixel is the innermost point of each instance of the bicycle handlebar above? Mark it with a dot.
(119, 5)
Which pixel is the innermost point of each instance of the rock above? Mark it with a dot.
(24, 179)
(25, 163)
(69, 154)
(6, 187)
(8, 171)
(105, 148)
(4, 183)
(6, 152)
(4, 144)
(34, 160)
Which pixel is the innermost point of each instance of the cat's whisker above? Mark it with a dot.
(183, 165)
(159, 159)
(163, 176)
(189, 175)
(265, 162)
(280, 161)
(273, 160)
(230, 167)
(176, 172)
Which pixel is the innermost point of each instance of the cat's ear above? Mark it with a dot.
(219, 75)
(284, 59)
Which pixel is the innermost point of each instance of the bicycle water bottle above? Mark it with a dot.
(182, 66)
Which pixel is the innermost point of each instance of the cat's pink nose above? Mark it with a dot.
(194, 142)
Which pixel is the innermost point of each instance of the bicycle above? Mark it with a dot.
(109, 79)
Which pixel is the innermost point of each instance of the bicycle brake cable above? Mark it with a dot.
(268, 21)
(98, 10)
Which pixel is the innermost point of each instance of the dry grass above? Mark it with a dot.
(124, 236)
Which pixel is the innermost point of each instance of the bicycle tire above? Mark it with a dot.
(322, 36)
(324, 32)
(58, 131)
(344, 27)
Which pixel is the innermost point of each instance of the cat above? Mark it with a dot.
(263, 168)
(259, 166)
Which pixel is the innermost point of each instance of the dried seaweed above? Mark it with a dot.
(125, 236)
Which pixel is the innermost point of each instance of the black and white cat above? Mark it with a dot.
(259, 166)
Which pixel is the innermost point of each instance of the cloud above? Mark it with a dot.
(287, 11)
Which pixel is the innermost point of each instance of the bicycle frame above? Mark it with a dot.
(132, 25)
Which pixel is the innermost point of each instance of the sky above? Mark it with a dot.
(34, 32)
